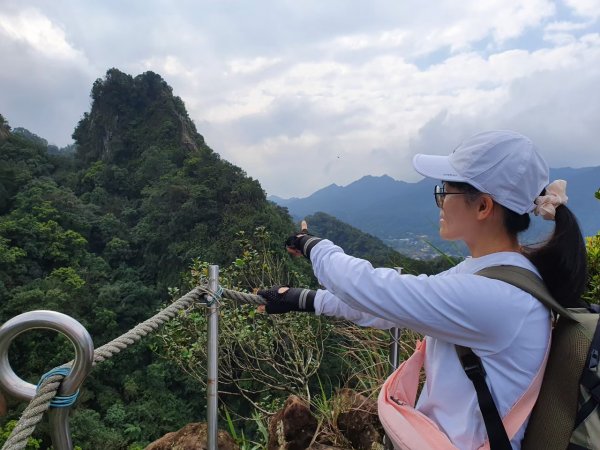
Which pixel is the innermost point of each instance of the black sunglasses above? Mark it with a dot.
(439, 193)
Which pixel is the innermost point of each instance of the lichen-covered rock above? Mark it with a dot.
(359, 421)
(292, 427)
(192, 437)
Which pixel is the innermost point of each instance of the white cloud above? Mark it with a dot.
(511, 20)
(451, 25)
(385, 39)
(30, 26)
(556, 104)
(559, 38)
(585, 8)
(251, 66)
(169, 66)
(566, 26)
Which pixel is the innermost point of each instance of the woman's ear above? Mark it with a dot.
(485, 206)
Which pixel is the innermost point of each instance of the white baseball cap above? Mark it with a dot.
(504, 164)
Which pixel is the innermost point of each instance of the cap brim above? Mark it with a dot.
(435, 166)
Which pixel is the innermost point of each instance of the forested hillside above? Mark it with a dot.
(102, 229)
(101, 235)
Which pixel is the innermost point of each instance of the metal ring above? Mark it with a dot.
(12, 384)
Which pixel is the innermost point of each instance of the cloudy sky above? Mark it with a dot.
(302, 94)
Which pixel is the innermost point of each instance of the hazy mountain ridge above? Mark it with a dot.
(404, 214)
(364, 245)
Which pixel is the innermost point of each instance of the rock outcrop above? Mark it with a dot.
(357, 425)
(192, 437)
(359, 422)
(292, 427)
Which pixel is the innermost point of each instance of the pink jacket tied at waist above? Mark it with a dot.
(409, 429)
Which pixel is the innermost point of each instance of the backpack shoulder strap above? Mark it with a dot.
(473, 367)
(529, 282)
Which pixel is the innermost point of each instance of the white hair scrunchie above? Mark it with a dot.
(555, 196)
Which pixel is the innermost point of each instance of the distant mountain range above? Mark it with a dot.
(364, 245)
(405, 217)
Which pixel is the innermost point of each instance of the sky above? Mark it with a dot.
(303, 94)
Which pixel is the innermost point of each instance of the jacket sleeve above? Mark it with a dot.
(460, 308)
(328, 304)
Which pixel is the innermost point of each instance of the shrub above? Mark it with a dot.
(592, 293)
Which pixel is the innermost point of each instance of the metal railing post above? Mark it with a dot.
(395, 335)
(213, 368)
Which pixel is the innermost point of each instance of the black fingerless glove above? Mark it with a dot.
(294, 299)
(302, 242)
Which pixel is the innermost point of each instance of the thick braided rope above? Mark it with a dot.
(152, 324)
(32, 415)
(244, 298)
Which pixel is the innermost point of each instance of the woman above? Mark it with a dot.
(490, 184)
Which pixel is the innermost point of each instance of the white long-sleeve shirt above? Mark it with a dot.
(505, 326)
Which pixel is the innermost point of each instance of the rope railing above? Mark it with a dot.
(49, 387)
(242, 297)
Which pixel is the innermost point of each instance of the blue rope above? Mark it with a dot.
(211, 299)
(59, 401)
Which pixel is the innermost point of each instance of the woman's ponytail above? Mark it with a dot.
(562, 260)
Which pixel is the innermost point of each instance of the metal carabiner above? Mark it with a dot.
(12, 384)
